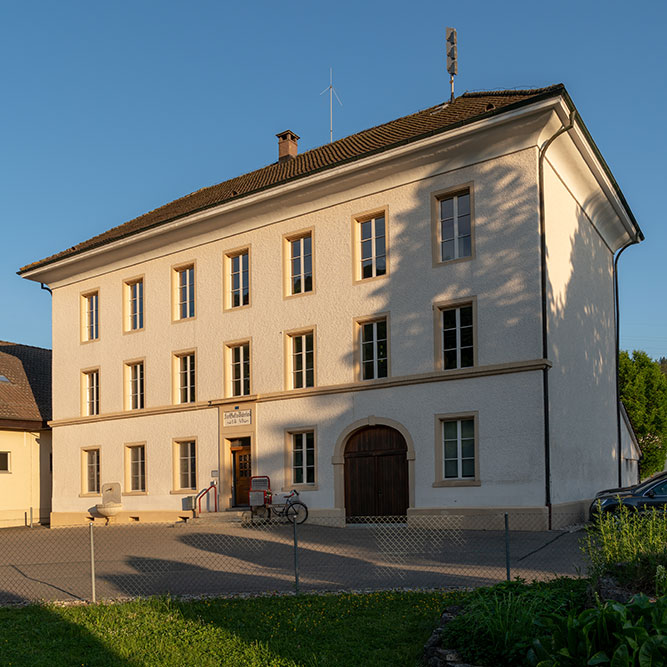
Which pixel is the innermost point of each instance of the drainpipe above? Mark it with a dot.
(543, 281)
(617, 350)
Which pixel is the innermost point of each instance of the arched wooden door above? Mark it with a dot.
(376, 473)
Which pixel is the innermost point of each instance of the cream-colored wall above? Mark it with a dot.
(28, 484)
(503, 276)
(582, 388)
(511, 461)
(158, 434)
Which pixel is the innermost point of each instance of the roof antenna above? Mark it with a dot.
(332, 92)
(452, 57)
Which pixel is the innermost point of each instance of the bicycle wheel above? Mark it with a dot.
(297, 512)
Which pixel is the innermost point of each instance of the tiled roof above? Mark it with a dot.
(25, 383)
(464, 109)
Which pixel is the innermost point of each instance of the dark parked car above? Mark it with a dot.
(649, 493)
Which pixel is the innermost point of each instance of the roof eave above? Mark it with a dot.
(28, 270)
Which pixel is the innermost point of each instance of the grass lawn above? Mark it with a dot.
(384, 628)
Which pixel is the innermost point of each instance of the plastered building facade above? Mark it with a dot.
(25, 438)
(416, 319)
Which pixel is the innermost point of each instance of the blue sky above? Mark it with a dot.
(110, 109)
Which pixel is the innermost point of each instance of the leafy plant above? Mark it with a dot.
(632, 635)
(497, 627)
(628, 546)
(660, 580)
(643, 388)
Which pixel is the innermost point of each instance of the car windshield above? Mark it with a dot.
(650, 481)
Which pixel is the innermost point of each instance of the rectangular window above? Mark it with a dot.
(4, 462)
(374, 349)
(92, 393)
(458, 442)
(135, 385)
(135, 305)
(187, 465)
(137, 468)
(372, 248)
(454, 226)
(92, 472)
(239, 279)
(185, 292)
(186, 377)
(301, 264)
(91, 317)
(457, 337)
(303, 360)
(303, 457)
(239, 360)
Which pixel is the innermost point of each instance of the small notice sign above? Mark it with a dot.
(237, 418)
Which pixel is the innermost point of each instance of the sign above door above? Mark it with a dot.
(237, 418)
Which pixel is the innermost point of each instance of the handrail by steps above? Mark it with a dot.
(202, 493)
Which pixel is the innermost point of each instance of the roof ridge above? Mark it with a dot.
(35, 347)
(511, 91)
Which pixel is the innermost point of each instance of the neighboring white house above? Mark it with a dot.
(414, 319)
(25, 438)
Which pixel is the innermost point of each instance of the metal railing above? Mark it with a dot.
(204, 492)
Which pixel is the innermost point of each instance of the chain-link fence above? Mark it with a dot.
(217, 556)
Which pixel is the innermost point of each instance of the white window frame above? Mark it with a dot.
(135, 385)
(299, 445)
(8, 456)
(373, 255)
(374, 342)
(458, 328)
(91, 392)
(299, 262)
(134, 304)
(91, 460)
(136, 467)
(90, 316)
(186, 377)
(239, 368)
(459, 458)
(299, 368)
(185, 292)
(239, 270)
(456, 218)
(187, 463)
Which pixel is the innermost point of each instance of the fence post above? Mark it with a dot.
(507, 546)
(296, 557)
(92, 562)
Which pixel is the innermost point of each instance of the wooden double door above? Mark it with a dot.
(376, 473)
(241, 470)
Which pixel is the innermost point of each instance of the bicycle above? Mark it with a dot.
(293, 509)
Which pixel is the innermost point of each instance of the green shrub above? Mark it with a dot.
(632, 635)
(628, 546)
(497, 627)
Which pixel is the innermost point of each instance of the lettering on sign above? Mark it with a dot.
(237, 418)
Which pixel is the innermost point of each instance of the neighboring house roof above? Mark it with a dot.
(467, 108)
(25, 383)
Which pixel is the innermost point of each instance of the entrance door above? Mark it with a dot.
(242, 470)
(376, 473)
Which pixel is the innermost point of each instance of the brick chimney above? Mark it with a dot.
(287, 145)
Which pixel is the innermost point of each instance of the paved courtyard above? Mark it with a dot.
(230, 558)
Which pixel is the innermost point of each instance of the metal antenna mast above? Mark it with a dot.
(332, 92)
(452, 57)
